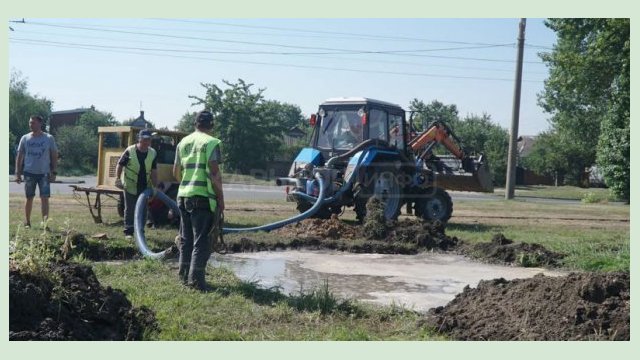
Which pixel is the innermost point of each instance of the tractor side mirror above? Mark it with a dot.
(312, 120)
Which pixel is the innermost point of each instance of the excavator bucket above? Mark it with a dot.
(455, 178)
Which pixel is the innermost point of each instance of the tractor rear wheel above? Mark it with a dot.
(434, 204)
(384, 186)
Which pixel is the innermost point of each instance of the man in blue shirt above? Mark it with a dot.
(37, 160)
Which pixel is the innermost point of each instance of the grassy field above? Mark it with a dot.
(591, 195)
(595, 237)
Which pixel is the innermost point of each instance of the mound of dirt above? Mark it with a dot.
(78, 308)
(503, 250)
(332, 228)
(580, 306)
(97, 250)
(405, 236)
(428, 235)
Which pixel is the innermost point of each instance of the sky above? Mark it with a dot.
(123, 66)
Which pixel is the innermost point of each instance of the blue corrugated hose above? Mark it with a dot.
(139, 219)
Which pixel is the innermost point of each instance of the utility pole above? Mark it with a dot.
(515, 117)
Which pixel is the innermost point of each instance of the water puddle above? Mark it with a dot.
(417, 282)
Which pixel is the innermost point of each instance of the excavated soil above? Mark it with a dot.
(96, 250)
(407, 236)
(506, 251)
(580, 306)
(77, 308)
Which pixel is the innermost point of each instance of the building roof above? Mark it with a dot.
(141, 121)
(356, 100)
(296, 131)
(74, 111)
(525, 144)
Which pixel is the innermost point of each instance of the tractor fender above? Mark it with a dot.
(362, 160)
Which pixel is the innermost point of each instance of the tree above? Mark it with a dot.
(185, 124)
(93, 119)
(21, 106)
(587, 92)
(78, 148)
(250, 135)
(435, 111)
(480, 134)
(551, 155)
(477, 133)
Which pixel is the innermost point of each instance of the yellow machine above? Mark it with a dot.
(112, 142)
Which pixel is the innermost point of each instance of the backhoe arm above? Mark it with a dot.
(438, 132)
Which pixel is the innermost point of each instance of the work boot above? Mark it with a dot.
(197, 285)
(183, 274)
(196, 279)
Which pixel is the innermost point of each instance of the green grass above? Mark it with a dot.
(589, 244)
(595, 237)
(238, 310)
(561, 192)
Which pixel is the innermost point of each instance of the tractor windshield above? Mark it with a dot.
(340, 129)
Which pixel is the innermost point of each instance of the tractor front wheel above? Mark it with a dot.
(434, 204)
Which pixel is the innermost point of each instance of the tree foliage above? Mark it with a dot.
(477, 133)
(480, 134)
(425, 114)
(22, 105)
(93, 119)
(78, 148)
(249, 126)
(587, 95)
(185, 124)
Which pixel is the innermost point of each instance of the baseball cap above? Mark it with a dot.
(204, 117)
(144, 134)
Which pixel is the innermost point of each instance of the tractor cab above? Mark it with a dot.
(343, 123)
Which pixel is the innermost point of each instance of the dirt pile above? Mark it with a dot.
(332, 228)
(70, 243)
(375, 225)
(503, 250)
(406, 236)
(425, 234)
(76, 308)
(580, 306)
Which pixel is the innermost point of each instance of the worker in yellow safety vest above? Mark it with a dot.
(136, 171)
(199, 197)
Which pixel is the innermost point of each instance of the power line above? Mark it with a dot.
(369, 60)
(355, 35)
(250, 52)
(261, 53)
(329, 50)
(280, 64)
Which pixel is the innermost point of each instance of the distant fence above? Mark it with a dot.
(528, 177)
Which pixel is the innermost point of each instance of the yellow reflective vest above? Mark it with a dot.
(129, 176)
(195, 150)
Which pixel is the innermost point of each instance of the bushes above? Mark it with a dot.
(78, 149)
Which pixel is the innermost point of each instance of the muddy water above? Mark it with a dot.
(417, 282)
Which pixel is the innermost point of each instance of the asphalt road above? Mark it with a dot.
(261, 192)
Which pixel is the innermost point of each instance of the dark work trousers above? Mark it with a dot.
(129, 210)
(195, 247)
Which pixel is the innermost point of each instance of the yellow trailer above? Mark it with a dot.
(112, 142)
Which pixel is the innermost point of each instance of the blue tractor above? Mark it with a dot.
(363, 148)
